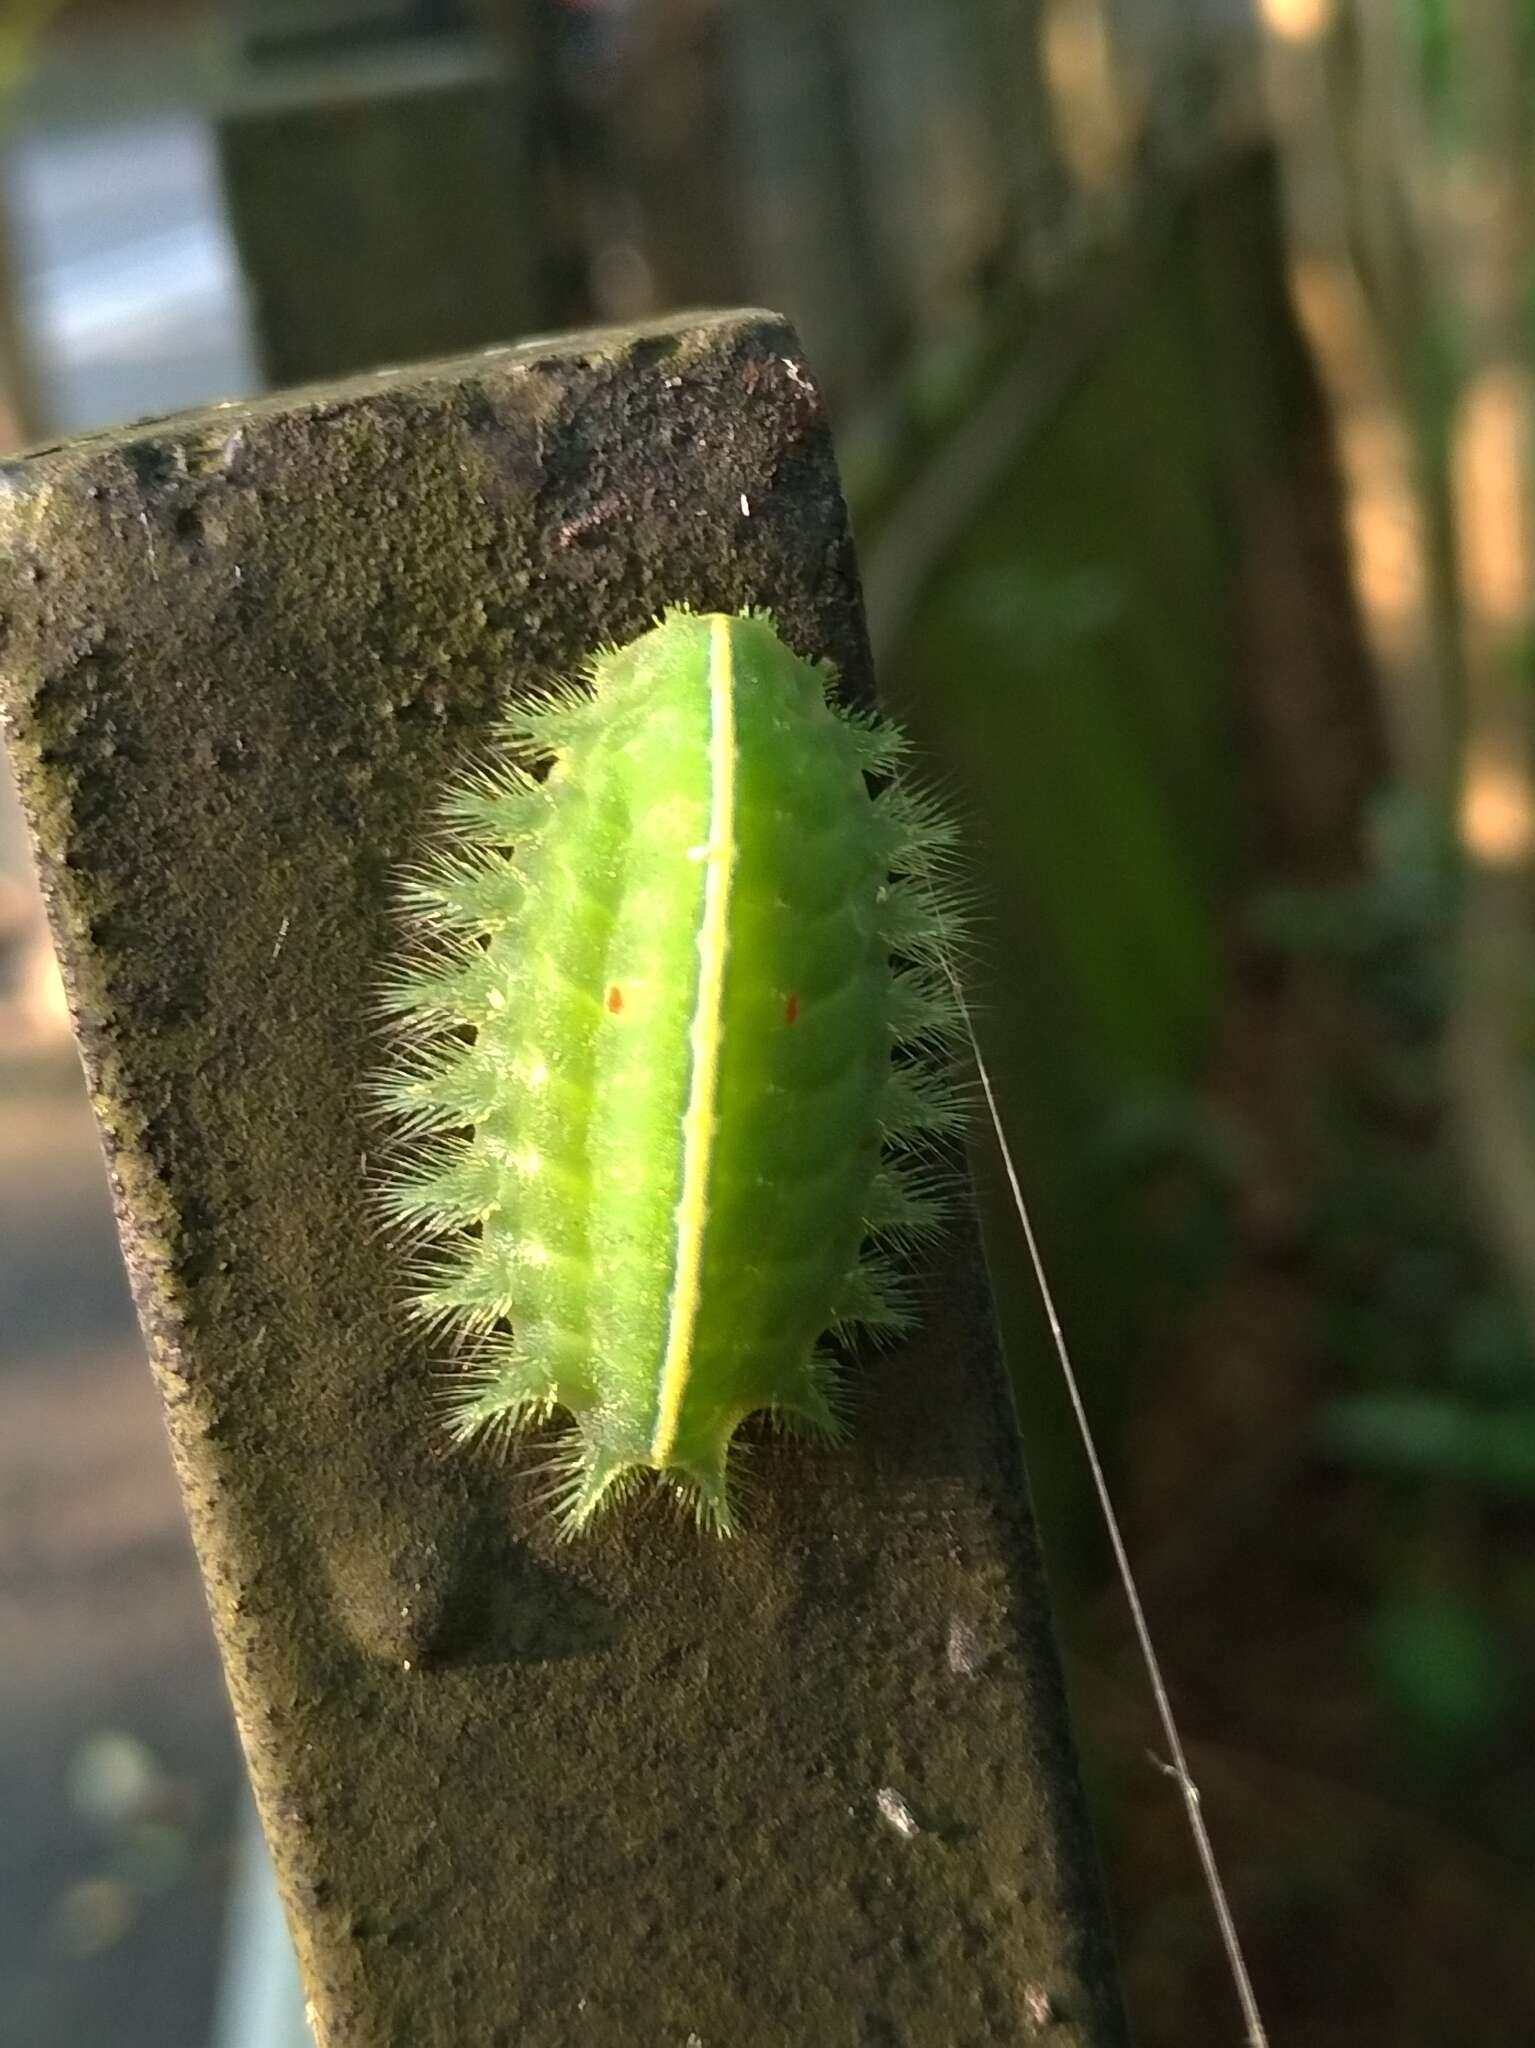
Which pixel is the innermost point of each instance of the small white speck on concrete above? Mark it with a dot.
(149, 542)
(746, 506)
(964, 1649)
(1038, 2008)
(895, 1811)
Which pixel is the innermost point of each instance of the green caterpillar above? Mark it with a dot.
(676, 1018)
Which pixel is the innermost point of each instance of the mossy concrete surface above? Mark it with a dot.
(810, 1786)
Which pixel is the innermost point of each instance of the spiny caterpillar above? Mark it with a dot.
(675, 1025)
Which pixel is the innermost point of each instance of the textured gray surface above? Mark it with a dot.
(647, 1788)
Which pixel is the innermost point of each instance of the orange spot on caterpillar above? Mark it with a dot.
(615, 999)
(791, 1010)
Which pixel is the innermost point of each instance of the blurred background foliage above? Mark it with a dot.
(1181, 358)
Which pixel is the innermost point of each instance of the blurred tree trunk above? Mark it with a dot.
(560, 51)
(927, 144)
(670, 110)
(1411, 206)
(1097, 112)
(1314, 111)
(993, 47)
(809, 212)
(1489, 252)
(379, 183)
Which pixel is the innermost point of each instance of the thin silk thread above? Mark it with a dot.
(1177, 1769)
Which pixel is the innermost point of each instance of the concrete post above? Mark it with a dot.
(812, 1786)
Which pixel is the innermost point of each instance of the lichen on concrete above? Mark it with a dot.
(634, 1790)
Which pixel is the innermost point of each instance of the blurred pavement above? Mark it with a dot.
(118, 1768)
(119, 1775)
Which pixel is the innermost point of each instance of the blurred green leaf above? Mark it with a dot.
(1145, 1130)
(1049, 609)
(1490, 1349)
(1435, 1436)
(1443, 1665)
(1174, 1166)
(1429, 28)
(1405, 898)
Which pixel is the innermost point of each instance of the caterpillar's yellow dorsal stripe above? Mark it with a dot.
(698, 1122)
